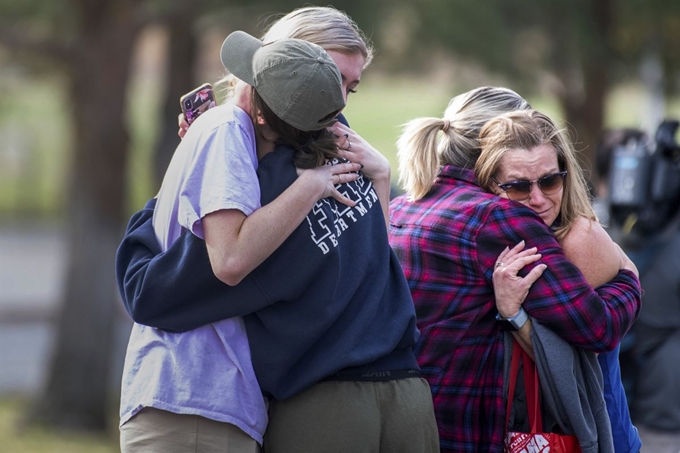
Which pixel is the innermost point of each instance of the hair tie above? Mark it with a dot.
(446, 126)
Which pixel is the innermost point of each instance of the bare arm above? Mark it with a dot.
(590, 248)
(237, 243)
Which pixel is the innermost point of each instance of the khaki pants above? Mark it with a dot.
(157, 431)
(358, 417)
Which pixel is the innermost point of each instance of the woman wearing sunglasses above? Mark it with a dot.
(525, 158)
(449, 232)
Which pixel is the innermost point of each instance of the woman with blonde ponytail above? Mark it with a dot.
(428, 143)
(418, 166)
(448, 233)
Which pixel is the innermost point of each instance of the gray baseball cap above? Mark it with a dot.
(300, 83)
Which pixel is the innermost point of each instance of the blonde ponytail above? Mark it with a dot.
(418, 151)
(421, 151)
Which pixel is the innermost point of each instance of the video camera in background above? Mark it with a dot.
(644, 182)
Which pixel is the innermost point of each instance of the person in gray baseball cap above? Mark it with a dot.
(332, 324)
(296, 79)
(290, 92)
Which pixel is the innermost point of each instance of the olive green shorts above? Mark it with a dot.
(347, 416)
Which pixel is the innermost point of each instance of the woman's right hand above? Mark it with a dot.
(327, 177)
(511, 289)
(627, 263)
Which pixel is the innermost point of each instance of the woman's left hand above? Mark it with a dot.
(511, 289)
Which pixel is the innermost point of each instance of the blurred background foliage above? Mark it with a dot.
(89, 95)
(583, 61)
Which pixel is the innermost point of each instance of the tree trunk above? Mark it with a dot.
(76, 392)
(585, 114)
(182, 57)
(652, 76)
(584, 100)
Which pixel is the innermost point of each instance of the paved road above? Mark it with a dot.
(31, 274)
(31, 270)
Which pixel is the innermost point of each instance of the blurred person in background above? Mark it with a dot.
(641, 178)
(332, 342)
(448, 234)
(603, 155)
(526, 158)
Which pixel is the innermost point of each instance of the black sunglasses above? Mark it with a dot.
(521, 189)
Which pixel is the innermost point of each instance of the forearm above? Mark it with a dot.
(561, 299)
(593, 320)
(234, 253)
(589, 247)
(237, 243)
(523, 337)
(176, 290)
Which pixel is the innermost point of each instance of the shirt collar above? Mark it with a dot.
(448, 172)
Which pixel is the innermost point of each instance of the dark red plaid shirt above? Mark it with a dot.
(447, 244)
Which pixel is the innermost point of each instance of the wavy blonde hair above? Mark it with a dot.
(428, 143)
(526, 130)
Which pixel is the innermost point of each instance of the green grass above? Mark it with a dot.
(626, 105)
(382, 106)
(34, 155)
(15, 439)
(144, 102)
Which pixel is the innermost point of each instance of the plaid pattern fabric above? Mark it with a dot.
(448, 243)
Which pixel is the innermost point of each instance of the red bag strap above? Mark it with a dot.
(514, 371)
(531, 386)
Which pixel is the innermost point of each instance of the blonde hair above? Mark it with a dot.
(526, 130)
(422, 150)
(324, 26)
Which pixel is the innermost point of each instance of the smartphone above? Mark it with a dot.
(197, 101)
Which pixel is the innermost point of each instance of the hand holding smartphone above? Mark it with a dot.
(197, 101)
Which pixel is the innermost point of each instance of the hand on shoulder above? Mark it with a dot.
(326, 178)
(354, 148)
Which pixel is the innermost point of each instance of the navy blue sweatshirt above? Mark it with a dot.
(331, 299)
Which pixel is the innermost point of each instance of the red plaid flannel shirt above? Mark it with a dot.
(448, 243)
